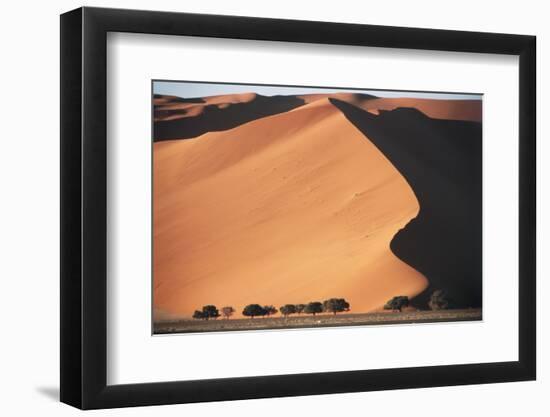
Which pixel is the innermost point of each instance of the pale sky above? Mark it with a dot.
(201, 89)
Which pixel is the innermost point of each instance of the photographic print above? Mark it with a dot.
(278, 207)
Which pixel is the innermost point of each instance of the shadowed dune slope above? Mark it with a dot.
(357, 99)
(441, 160)
(289, 208)
(165, 100)
(183, 118)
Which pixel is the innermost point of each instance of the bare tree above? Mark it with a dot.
(227, 311)
(439, 300)
(300, 308)
(270, 310)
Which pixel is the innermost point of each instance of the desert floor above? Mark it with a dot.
(320, 320)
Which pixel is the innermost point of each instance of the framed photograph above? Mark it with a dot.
(296, 204)
(257, 208)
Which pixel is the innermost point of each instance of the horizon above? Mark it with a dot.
(191, 89)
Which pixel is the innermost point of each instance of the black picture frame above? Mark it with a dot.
(84, 207)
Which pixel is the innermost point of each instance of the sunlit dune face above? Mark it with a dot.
(289, 208)
(469, 110)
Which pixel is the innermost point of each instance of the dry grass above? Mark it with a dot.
(320, 320)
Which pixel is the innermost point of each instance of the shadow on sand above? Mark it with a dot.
(216, 119)
(441, 160)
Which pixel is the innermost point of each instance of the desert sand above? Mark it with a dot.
(466, 110)
(442, 162)
(173, 108)
(289, 202)
(323, 320)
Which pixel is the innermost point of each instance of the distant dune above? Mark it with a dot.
(291, 199)
(178, 118)
(181, 120)
(465, 110)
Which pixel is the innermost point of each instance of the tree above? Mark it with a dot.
(287, 309)
(335, 305)
(227, 311)
(253, 310)
(198, 315)
(300, 308)
(270, 310)
(210, 312)
(439, 300)
(313, 308)
(397, 303)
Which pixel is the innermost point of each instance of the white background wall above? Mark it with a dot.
(29, 225)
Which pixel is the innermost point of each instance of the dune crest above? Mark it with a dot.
(188, 118)
(184, 118)
(466, 110)
(442, 160)
(288, 208)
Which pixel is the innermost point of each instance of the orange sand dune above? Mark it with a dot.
(179, 118)
(162, 99)
(169, 108)
(357, 99)
(468, 110)
(289, 208)
(172, 107)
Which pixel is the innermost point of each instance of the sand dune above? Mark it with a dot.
(173, 107)
(175, 119)
(466, 110)
(178, 118)
(357, 99)
(441, 160)
(287, 208)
